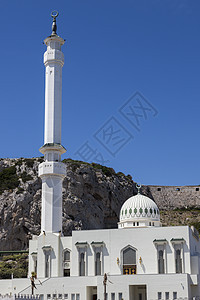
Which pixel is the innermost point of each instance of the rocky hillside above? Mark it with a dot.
(92, 198)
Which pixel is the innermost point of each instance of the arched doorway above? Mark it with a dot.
(129, 261)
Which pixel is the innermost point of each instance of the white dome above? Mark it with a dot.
(139, 211)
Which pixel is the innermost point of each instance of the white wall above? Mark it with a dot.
(139, 238)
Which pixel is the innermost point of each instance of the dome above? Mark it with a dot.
(139, 211)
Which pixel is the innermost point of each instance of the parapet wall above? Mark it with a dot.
(167, 197)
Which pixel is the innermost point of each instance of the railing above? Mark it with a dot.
(24, 291)
(19, 297)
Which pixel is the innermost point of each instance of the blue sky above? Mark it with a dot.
(116, 52)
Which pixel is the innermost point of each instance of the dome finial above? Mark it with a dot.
(138, 187)
(54, 15)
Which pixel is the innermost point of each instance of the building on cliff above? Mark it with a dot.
(138, 260)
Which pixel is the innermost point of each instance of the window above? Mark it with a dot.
(56, 157)
(98, 257)
(77, 296)
(35, 265)
(174, 295)
(47, 264)
(166, 295)
(59, 296)
(34, 257)
(66, 256)
(72, 296)
(129, 261)
(120, 296)
(159, 295)
(178, 261)
(158, 189)
(98, 264)
(82, 257)
(161, 267)
(112, 296)
(48, 296)
(66, 296)
(66, 263)
(82, 264)
(197, 189)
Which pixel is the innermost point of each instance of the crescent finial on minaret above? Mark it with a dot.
(54, 15)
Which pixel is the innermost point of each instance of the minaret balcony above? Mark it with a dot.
(53, 55)
(52, 147)
(52, 168)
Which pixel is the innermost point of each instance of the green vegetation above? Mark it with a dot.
(106, 171)
(16, 264)
(29, 162)
(76, 163)
(8, 179)
(181, 217)
(183, 209)
(196, 225)
(19, 162)
(128, 177)
(20, 190)
(26, 177)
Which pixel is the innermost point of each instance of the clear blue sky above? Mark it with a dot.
(113, 50)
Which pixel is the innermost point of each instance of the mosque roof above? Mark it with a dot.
(139, 208)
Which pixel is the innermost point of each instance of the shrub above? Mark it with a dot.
(8, 179)
(19, 162)
(196, 225)
(29, 162)
(106, 170)
(26, 177)
(20, 190)
(16, 264)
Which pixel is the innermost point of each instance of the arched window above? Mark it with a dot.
(178, 261)
(47, 264)
(82, 264)
(129, 261)
(66, 263)
(98, 264)
(161, 267)
(66, 255)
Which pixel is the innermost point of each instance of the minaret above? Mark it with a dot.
(52, 171)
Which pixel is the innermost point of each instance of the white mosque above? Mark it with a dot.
(140, 260)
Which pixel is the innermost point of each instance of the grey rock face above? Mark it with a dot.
(92, 198)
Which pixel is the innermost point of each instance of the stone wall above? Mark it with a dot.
(170, 197)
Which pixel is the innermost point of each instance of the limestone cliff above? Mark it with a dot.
(92, 198)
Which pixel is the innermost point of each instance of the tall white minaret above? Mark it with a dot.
(52, 171)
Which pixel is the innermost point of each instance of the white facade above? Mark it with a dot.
(141, 259)
(154, 278)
